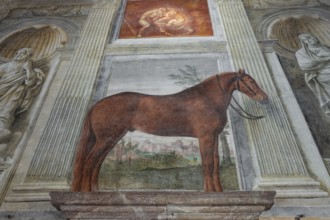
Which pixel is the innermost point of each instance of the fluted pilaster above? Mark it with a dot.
(53, 158)
(274, 146)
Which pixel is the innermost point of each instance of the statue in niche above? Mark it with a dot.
(168, 20)
(314, 59)
(19, 84)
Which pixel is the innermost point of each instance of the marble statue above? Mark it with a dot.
(314, 59)
(19, 84)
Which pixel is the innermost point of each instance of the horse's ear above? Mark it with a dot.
(241, 71)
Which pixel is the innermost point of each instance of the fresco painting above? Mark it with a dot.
(145, 161)
(199, 111)
(171, 18)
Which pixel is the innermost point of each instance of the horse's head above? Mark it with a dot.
(247, 85)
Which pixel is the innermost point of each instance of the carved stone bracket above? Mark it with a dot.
(163, 204)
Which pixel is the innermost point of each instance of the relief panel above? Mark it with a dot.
(170, 18)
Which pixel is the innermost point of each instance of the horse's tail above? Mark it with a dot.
(86, 142)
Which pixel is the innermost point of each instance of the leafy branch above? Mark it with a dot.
(187, 77)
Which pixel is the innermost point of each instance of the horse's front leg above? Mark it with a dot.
(216, 173)
(206, 145)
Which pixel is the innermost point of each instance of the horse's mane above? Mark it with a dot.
(203, 84)
(213, 77)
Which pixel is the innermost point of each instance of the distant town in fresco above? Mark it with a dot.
(170, 18)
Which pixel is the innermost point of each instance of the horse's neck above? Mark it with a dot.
(219, 89)
(227, 82)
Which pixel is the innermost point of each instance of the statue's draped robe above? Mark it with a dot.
(17, 92)
(316, 65)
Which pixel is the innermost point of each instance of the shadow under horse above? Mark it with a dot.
(199, 111)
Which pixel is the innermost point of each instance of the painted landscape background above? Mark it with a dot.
(152, 163)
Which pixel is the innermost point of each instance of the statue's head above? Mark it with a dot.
(23, 54)
(308, 39)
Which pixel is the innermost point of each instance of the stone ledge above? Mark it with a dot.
(163, 204)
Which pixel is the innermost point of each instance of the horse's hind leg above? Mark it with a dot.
(86, 142)
(95, 158)
(111, 143)
(96, 170)
(89, 164)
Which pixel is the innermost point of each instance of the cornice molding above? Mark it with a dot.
(63, 10)
(229, 1)
(107, 4)
(267, 4)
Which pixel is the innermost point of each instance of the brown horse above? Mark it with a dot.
(199, 111)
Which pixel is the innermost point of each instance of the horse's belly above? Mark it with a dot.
(162, 128)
